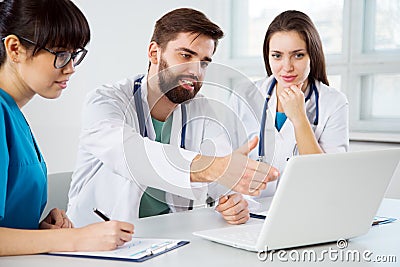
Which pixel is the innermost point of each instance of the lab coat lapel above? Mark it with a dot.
(283, 140)
(269, 135)
(176, 127)
(151, 134)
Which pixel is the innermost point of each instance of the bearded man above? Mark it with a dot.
(149, 144)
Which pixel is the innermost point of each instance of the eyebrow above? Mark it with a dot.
(291, 52)
(187, 50)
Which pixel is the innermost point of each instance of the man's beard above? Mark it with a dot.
(169, 84)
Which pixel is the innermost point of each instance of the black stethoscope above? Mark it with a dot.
(137, 95)
(261, 150)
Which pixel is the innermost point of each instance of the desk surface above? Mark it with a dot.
(382, 240)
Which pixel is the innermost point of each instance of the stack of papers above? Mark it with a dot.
(138, 249)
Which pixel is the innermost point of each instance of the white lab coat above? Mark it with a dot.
(331, 132)
(115, 164)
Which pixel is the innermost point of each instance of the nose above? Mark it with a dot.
(287, 64)
(194, 68)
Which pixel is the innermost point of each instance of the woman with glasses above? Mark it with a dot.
(42, 41)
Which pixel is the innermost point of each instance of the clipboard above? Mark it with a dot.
(137, 250)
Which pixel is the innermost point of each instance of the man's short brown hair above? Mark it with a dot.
(184, 20)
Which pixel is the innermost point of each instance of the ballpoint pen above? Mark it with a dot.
(105, 218)
(382, 220)
(157, 249)
(101, 215)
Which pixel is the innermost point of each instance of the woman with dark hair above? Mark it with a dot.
(293, 110)
(42, 41)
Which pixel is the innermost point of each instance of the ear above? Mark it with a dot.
(14, 48)
(153, 52)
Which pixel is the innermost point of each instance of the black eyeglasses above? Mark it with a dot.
(62, 57)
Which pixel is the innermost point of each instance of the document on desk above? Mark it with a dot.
(137, 250)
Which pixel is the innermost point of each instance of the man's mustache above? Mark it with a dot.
(186, 76)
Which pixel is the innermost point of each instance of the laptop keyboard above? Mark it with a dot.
(249, 235)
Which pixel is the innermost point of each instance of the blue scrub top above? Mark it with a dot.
(23, 173)
(280, 120)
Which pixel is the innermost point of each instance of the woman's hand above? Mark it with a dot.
(103, 236)
(293, 104)
(56, 219)
(292, 101)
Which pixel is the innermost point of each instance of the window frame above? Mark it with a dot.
(352, 64)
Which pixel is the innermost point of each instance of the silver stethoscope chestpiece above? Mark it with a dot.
(261, 158)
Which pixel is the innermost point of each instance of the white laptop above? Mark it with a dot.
(320, 198)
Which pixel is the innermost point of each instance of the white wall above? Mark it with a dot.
(118, 49)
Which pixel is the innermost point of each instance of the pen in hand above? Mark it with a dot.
(105, 218)
(101, 215)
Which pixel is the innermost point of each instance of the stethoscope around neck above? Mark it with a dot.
(261, 148)
(137, 95)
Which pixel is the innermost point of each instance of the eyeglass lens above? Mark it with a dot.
(63, 58)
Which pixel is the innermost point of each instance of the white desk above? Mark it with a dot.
(381, 240)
